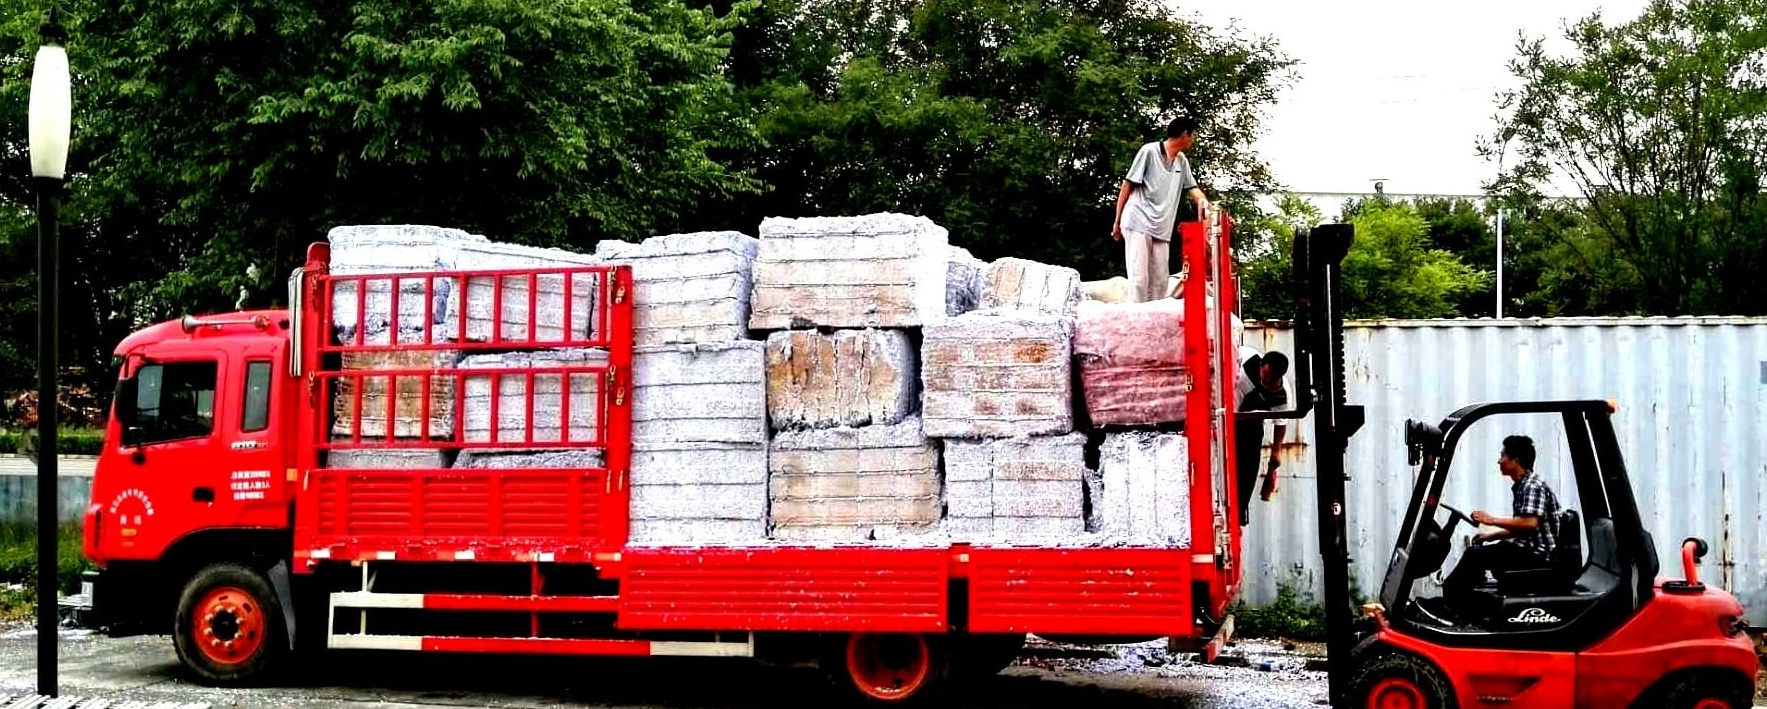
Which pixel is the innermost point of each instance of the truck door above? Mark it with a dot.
(163, 480)
(255, 472)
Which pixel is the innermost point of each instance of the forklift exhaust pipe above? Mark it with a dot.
(1692, 550)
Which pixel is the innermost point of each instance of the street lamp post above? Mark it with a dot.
(51, 118)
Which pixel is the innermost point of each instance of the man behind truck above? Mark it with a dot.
(1147, 208)
(1259, 386)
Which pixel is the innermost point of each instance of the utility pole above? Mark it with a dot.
(1500, 213)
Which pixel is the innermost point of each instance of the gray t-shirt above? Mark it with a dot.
(1152, 209)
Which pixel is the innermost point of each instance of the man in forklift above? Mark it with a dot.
(1523, 540)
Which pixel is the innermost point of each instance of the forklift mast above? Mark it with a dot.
(1319, 374)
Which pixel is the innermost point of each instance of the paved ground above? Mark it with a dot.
(1134, 677)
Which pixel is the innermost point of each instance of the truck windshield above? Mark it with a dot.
(173, 400)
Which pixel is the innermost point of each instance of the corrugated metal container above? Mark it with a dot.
(1692, 398)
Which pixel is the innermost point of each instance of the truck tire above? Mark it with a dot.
(888, 669)
(229, 630)
(1398, 681)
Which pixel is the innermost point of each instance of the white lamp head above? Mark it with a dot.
(51, 111)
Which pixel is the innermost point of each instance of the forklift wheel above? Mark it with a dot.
(1699, 692)
(1395, 681)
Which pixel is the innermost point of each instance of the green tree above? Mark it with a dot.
(210, 137)
(1658, 123)
(1393, 270)
(1010, 122)
(1265, 256)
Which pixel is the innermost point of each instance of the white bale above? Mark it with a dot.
(1145, 479)
(549, 424)
(574, 459)
(963, 282)
(391, 249)
(846, 378)
(699, 493)
(484, 322)
(689, 287)
(706, 392)
(876, 270)
(1015, 489)
(873, 479)
(997, 373)
(387, 458)
(1021, 284)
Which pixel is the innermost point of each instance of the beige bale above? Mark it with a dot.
(407, 394)
(847, 378)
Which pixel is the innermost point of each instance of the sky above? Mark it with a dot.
(1399, 91)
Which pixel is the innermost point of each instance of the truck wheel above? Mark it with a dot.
(888, 669)
(1395, 681)
(229, 627)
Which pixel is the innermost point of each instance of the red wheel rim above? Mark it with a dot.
(228, 626)
(888, 667)
(1396, 693)
(1712, 704)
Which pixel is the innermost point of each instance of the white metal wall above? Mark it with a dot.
(1692, 422)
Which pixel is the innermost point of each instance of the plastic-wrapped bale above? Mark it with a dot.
(392, 249)
(1015, 490)
(854, 484)
(710, 392)
(409, 391)
(1021, 284)
(997, 373)
(511, 415)
(486, 322)
(699, 493)
(878, 270)
(1146, 492)
(389, 458)
(1131, 360)
(846, 378)
(963, 282)
(690, 287)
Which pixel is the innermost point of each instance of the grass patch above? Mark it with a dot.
(18, 566)
(71, 441)
(1290, 617)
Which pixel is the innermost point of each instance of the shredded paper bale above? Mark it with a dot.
(548, 396)
(391, 249)
(690, 287)
(407, 420)
(708, 392)
(1019, 490)
(878, 270)
(1021, 284)
(994, 373)
(699, 493)
(1146, 485)
(963, 282)
(851, 484)
(847, 378)
(388, 458)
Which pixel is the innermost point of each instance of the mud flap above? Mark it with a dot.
(284, 595)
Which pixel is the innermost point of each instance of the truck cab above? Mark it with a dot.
(199, 457)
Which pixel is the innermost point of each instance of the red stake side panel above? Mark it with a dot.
(523, 515)
(1092, 591)
(785, 589)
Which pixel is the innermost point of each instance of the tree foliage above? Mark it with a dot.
(1660, 123)
(1010, 122)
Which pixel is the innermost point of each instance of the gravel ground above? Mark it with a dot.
(1048, 676)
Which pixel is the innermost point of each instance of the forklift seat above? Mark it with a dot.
(1557, 577)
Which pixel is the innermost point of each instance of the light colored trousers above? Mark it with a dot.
(1149, 263)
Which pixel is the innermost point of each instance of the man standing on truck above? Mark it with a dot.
(1259, 386)
(1147, 208)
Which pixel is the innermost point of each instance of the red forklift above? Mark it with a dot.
(1596, 629)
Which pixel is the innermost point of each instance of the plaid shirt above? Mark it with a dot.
(1533, 498)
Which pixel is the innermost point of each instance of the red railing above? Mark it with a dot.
(386, 376)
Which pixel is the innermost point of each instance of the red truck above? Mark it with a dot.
(215, 517)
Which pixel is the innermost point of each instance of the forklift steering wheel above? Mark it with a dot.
(1455, 515)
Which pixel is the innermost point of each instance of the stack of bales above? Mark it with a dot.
(843, 301)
